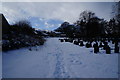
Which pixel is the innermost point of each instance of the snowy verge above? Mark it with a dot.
(59, 60)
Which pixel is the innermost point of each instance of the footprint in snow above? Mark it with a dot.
(75, 62)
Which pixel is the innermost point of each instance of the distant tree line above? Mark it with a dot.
(90, 26)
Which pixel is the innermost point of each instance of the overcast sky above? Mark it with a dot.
(49, 15)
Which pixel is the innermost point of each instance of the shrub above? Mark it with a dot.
(21, 34)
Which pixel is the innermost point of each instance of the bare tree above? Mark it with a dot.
(86, 15)
(116, 11)
(116, 17)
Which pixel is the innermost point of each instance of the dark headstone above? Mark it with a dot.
(66, 40)
(96, 47)
(108, 51)
(61, 40)
(116, 47)
(101, 45)
(76, 42)
(81, 43)
(105, 45)
(88, 45)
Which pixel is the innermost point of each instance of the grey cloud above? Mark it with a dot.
(52, 10)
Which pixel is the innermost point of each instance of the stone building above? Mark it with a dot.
(5, 24)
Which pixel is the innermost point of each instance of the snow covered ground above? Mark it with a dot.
(59, 60)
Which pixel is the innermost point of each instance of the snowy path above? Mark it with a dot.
(59, 60)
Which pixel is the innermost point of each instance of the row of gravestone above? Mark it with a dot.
(103, 44)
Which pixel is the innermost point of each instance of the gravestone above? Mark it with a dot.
(101, 45)
(66, 40)
(105, 45)
(76, 42)
(116, 50)
(96, 47)
(88, 45)
(61, 40)
(108, 51)
(81, 43)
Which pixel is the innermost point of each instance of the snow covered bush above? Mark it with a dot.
(21, 34)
